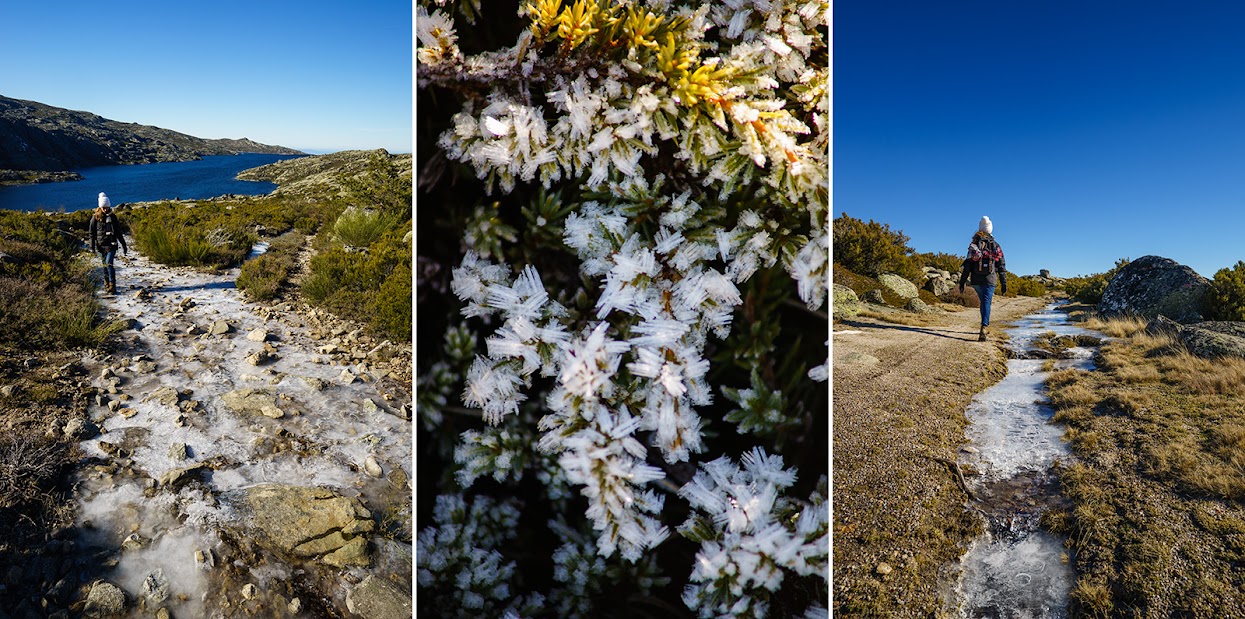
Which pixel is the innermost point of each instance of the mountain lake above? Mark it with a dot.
(209, 177)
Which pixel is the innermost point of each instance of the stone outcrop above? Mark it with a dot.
(898, 286)
(938, 281)
(1215, 339)
(310, 523)
(845, 302)
(1210, 339)
(1151, 286)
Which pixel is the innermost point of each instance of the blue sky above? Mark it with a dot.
(1087, 131)
(313, 74)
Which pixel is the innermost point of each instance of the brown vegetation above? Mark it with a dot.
(1157, 513)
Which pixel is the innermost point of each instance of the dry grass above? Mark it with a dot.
(1160, 435)
(1120, 326)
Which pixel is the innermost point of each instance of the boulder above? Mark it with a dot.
(898, 285)
(846, 303)
(1214, 339)
(378, 598)
(875, 297)
(155, 590)
(1153, 285)
(916, 305)
(312, 523)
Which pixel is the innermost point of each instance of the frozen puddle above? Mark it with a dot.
(1016, 570)
(160, 499)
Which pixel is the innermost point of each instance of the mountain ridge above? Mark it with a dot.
(37, 139)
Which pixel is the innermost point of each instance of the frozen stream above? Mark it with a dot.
(1015, 570)
(184, 545)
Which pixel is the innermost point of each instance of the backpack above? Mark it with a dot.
(983, 254)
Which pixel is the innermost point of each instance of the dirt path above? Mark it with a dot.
(900, 392)
(180, 452)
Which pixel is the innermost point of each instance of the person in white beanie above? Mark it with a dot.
(106, 234)
(984, 269)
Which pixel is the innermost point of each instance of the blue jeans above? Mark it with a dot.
(108, 254)
(985, 294)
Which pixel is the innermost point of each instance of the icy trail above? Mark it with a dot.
(1016, 570)
(162, 516)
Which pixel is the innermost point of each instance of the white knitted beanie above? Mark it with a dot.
(103, 200)
(985, 225)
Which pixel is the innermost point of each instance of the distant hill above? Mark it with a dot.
(37, 138)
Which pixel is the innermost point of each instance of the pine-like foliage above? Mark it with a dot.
(624, 247)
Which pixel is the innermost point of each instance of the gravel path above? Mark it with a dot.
(900, 393)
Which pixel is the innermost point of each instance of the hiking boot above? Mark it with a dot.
(981, 336)
(110, 288)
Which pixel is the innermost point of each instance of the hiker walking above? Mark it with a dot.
(984, 269)
(106, 234)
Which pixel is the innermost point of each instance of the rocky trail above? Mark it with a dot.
(900, 393)
(241, 460)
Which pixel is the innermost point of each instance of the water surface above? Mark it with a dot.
(189, 180)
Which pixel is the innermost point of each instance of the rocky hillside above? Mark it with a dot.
(38, 137)
(321, 174)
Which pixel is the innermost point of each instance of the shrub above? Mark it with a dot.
(365, 286)
(941, 260)
(1225, 300)
(177, 244)
(968, 298)
(262, 277)
(360, 227)
(1089, 288)
(872, 248)
(1025, 287)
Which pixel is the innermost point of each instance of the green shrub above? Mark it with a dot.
(1089, 288)
(180, 244)
(1225, 300)
(1025, 287)
(941, 260)
(872, 248)
(262, 277)
(365, 285)
(360, 227)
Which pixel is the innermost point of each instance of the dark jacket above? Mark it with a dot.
(999, 275)
(106, 233)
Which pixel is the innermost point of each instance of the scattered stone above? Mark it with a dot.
(875, 297)
(250, 591)
(155, 588)
(145, 367)
(9, 391)
(884, 569)
(295, 606)
(347, 377)
(180, 477)
(378, 598)
(179, 451)
(80, 429)
(258, 335)
(372, 467)
(220, 327)
(127, 412)
(328, 349)
(114, 405)
(186, 303)
(105, 599)
(254, 401)
(167, 396)
(135, 542)
(370, 406)
(314, 383)
(916, 305)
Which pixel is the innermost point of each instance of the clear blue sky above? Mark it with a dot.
(315, 75)
(1087, 131)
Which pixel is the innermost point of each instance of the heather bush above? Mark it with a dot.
(1025, 287)
(873, 249)
(263, 277)
(968, 298)
(1089, 288)
(1225, 300)
(624, 248)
